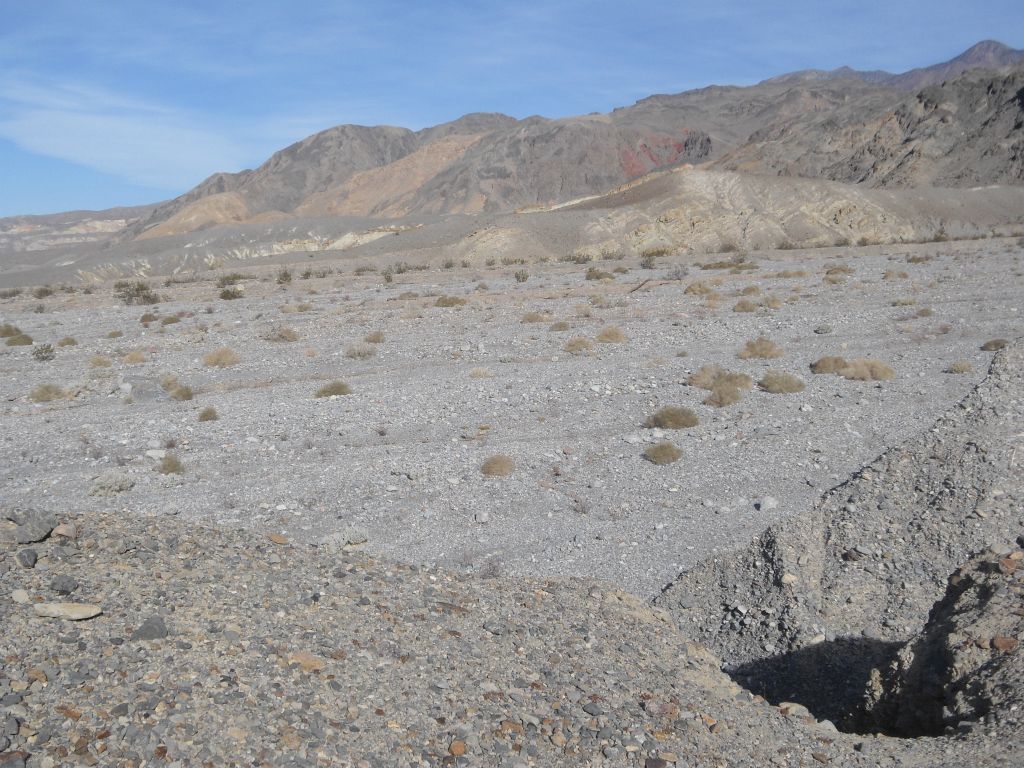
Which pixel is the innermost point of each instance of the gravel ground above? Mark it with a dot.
(312, 624)
(398, 461)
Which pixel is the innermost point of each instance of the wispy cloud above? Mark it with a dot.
(145, 143)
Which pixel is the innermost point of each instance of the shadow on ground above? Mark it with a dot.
(829, 679)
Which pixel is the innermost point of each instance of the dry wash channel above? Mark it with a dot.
(833, 609)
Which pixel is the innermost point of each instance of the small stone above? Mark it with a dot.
(277, 538)
(593, 708)
(767, 504)
(68, 611)
(308, 661)
(457, 748)
(152, 628)
(66, 530)
(655, 762)
(63, 584)
(27, 558)
(789, 578)
(20, 596)
(1004, 643)
(13, 759)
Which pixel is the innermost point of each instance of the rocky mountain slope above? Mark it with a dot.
(988, 54)
(964, 132)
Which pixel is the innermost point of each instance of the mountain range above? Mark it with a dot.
(954, 124)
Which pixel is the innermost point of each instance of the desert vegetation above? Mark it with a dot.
(333, 389)
(672, 417)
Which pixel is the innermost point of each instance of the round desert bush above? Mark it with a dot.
(992, 345)
(711, 376)
(723, 394)
(611, 335)
(220, 358)
(134, 357)
(334, 388)
(374, 337)
(115, 334)
(498, 466)
(672, 417)
(578, 345)
(67, 341)
(778, 383)
(19, 340)
(866, 369)
(828, 364)
(761, 347)
(535, 317)
(360, 351)
(662, 453)
(209, 413)
(170, 465)
(960, 366)
(7, 331)
(99, 361)
(744, 305)
(45, 393)
(449, 301)
(560, 325)
(751, 290)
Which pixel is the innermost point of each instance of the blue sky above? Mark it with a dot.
(113, 102)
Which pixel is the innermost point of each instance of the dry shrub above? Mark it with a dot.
(662, 454)
(710, 376)
(828, 364)
(672, 417)
(841, 269)
(992, 345)
(761, 347)
(788, 273)
(175, 388)
(561, 325)
(535, 317)
(282, 334)
(866, 369)
(777, 383)
(577, 345)
(7, 331)
(481, 373)
(744, 305)
(498, 466)
(774, 302)
(895, 274)
(335, 388)
(723, 394)
(751, 290)
(134, 357)
(449, 301)
(593, 273)
(221, 358)
(46, 393)
(19, 340)
(360, 351)
(115, 334)
(698, 288)
(611, 335)
(904, 302)
(209, 413)
(67, 341)
(960, 366)
(925, 312)
(833, 279)
(99, 361)
(374, 337)
(148, 318)
(170, 465)
(170, 320)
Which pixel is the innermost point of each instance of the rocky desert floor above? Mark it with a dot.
(454, 561)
